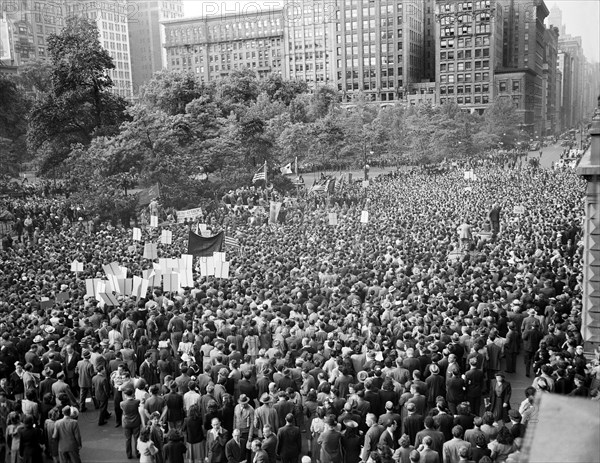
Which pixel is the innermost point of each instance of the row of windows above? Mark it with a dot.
(465, 66)
(465, 42)
(461, 89)
(465, 54)
(483, 99)
(369, 36)
(503, 85)
(464, 6)
(475, 77)
(466, 30)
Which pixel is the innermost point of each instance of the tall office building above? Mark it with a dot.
(555, 19)
(566, 105)
(309, 34)
(549, 81)
(111, 18)
(213, 46)
(31, 23)
(28, 26)
(429, 42)
(571, 47)
(145, 42)
(523, 58)
(469, 49)
(379, 48)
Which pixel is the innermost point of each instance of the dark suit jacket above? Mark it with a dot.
(387, 439)
(289, 442)
(215, 446)
(474, 383)
(102, 389)
(269, 445)
(429, 456)
(66, 432)
(331, 447)
(235, 452)
(260, 457)
(131, 414)
(70, 366)
(412, 425)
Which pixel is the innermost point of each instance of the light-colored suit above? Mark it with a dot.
(66, 432)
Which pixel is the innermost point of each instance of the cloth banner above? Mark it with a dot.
(190, 215)
(205, 246)
(147, 195)
(274, 211)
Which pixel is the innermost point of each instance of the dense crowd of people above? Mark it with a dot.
(390, 340)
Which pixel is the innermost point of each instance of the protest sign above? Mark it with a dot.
(166, 237)
(364, 217)
(154, 221)
(150, 251)
(76, 266)
(137, 234)
(519, 210)
(190, 215)
(333, 218)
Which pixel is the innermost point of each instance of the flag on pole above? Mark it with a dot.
(321, 187)
(147, 195)
(261, 174)
(274, 211)
(287, 169)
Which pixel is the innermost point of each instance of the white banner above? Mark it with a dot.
(190, 214)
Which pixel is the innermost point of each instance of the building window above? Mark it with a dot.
(502, 86)
(516, 85)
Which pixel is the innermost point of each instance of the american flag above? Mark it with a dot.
(261, 174)
(232, 242)
(321, 187)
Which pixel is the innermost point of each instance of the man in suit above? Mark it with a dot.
(60, 387)
(72, 358)
(235, 449)
(289, 441)
(266, 414)
(388, 436)
(437, 437)
(68, 436)
(216, 439)
(371, 437)
(269, 443)
(428, 455)
(474, 379)
(413, 423)
(85, 373)
(330, 441)
(131, 421)
(260, 456)
(452, 447)
(102, 392)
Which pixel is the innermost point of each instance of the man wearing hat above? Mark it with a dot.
(85, 373)
(243, 417)
(511, 347)
(532, 336)
(289, 441)
(102, 393)
(330, 441)
(265, 414)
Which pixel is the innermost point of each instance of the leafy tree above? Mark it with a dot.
(36, 77)
(282, 90)
(172, 91)
(500, 120)
(79, 105)
(13, 125)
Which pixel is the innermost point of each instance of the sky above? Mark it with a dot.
(581, 17)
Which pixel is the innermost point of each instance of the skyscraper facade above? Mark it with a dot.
(469, 49)
(309, 33)
(214, 46)
(379, 48)
(145, 42)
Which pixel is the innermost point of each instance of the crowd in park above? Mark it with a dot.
(377, 323)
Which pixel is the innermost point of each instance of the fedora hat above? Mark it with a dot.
(243, 399)
(266, 398)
